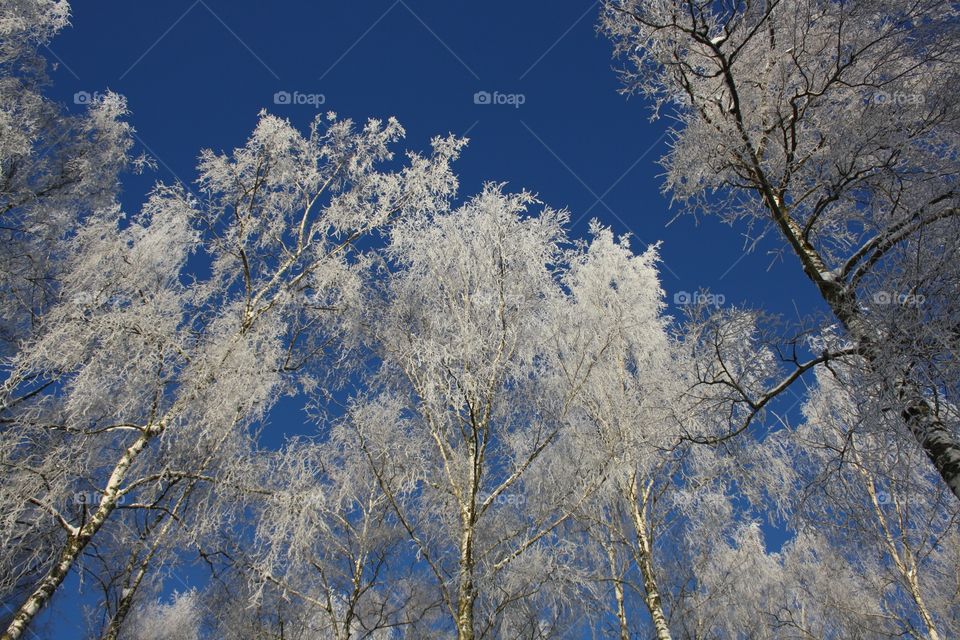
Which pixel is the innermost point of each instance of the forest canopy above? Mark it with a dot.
(507, 432)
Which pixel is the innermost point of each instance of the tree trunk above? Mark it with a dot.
(76, 542)
(466, 593)
(935, 439)
(112, 631)
(618, 593)
(638, 505)
(466, 590)
(904, 562)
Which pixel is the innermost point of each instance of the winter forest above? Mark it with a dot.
(501, 427)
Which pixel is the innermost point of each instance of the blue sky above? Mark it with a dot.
(197, 72)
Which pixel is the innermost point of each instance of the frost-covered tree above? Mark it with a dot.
(871, 534)
(620, 371)
(835, 123)
(494, 337)
(596, 485)
(462, 329)
(143, 366)
(874, 504)
(509, 431)
(871, 531)
(327, 541)
(55, 167)
(744, 590)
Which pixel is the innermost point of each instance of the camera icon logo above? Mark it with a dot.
(682, 297)
(882, 297)
(282, 97)
(82, 97)
(482, 97)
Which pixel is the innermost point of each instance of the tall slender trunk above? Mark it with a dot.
(77, 541)
(112, 631)
(132, 586)
(922, 609)
(644, 550)
(126, 600)
(618, 593)
(905, 562)
(466, 592)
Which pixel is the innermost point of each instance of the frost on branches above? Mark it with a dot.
(502, 435)
(137, 384)
(836, 122)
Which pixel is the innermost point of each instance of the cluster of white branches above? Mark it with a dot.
(504, 435)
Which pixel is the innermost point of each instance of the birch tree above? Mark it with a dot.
(877, 507)
(140, 364)
(54, 166)
(618, 362)
(327, 540)
(835, 124)
(871, 534)
(486, 338)
(460, 333)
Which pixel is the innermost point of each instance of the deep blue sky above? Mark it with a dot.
(197, 72)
